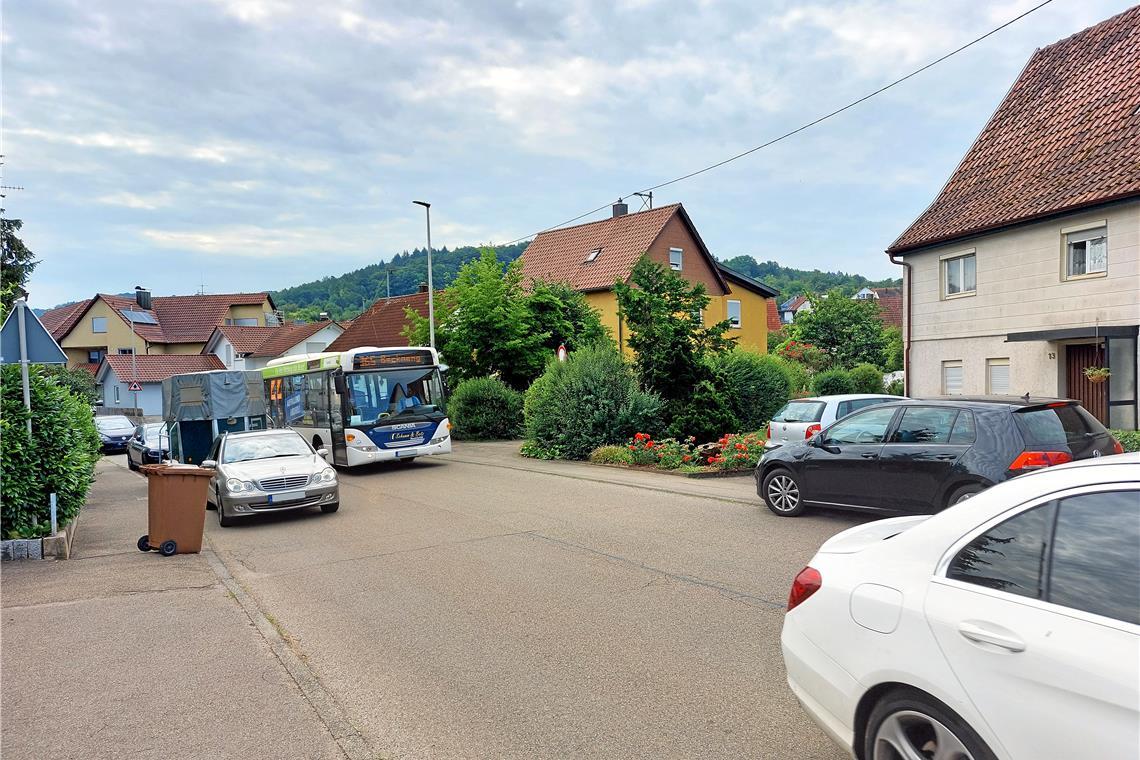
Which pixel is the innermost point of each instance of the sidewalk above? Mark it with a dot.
(117, 653)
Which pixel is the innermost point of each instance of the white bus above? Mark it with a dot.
(364, 405)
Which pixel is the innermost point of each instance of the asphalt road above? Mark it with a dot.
(485, 606)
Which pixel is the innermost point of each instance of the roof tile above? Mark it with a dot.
(383, 323)
(154, 368)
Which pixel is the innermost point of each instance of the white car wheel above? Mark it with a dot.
(910, 735)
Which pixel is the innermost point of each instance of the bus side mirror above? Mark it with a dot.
(340, 385)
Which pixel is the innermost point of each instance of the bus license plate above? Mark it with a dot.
(404, 453)
(274, 498)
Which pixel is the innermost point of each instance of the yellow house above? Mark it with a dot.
(592, 257)
(107, 324)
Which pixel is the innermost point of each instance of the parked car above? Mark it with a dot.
(115, 431)
(268, 471)
(1007, 627)
(924, 455)
(801, 418)
(149, 445)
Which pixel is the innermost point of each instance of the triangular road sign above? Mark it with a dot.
(42, 348)
(134, 387)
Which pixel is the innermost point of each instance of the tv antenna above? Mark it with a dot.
(646, 200)
(5, 188)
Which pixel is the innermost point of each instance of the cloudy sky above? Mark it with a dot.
(257, 144)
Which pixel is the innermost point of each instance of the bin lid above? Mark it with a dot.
(177, 469)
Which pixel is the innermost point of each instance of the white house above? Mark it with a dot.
(1025, 270)
(117, 374)
(245, 348)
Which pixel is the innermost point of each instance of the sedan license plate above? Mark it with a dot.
(275, 498)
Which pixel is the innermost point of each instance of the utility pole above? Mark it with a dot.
(431, 285)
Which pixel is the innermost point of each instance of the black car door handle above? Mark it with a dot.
(945, 457)
(870, 454)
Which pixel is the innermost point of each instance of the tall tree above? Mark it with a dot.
(850, 331)
(16, 263)
(565, 315)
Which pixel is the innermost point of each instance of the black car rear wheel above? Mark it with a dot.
(781, 492)
(961, 493)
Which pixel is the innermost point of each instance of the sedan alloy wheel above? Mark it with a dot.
(782, 493)
(911, 735)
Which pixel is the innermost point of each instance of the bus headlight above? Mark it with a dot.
(359, 441)
(234, 485)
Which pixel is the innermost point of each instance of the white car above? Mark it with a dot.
(801, 418)
(1007, 626)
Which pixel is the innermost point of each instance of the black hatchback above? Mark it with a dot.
(924, 455)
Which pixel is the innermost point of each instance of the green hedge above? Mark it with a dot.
(833, 382)
(1129, 439)
(59, 458)
(754, 386)
(587, 401)
(485, 408)
(867, 378)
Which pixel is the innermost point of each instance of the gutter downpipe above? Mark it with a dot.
(907, 281)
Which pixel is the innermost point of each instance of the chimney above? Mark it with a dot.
(323, 316)
(620, 209)
(423, 287)
(142, 298)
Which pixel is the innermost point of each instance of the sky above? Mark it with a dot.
(247, 145)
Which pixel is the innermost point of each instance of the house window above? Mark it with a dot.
(699, 317)
(952, 378)
(734, 313)
(243, 322)
(116, 393)
(1086, 252)
(98, 324)
(126, 351)
(959, 276)
(95, 356)
(229, 355)
(593, 255)
(675, 259)
(997, 376)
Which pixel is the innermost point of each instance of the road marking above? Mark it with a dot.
(351, 742)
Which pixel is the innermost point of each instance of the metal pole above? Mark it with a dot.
(20, 306)
(430, 284)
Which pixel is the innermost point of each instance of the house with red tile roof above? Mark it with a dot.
(1025, 269)
(889, 301)
(117, 375)
(592, 257)
(110, 324)
(244, 348)
(383, 324)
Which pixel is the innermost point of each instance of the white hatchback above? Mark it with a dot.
(1007, 626)
(801, 418)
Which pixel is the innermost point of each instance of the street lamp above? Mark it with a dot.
(431, 285)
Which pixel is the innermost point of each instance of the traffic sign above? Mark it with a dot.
(134, 387)
(41, 347)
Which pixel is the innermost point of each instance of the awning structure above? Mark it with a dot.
(1072, 333)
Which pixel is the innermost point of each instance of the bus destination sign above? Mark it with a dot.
(390, 359)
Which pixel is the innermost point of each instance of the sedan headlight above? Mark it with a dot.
(327, 475)
(234, 485)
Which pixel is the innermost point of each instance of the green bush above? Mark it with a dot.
(611, 455)
(895, 387)
(798, 377)
(704, 415)
(1129, 439)
(59, 458)
(833, 382)
(587, 401)
(485, 408)
(755, 386)
(867, 378)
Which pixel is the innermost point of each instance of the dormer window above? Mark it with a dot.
(593, 255)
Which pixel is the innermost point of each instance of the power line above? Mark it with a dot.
(803, 127)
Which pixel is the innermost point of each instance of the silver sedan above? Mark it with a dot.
(268, 471)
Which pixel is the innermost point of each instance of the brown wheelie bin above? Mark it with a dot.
(176, 508)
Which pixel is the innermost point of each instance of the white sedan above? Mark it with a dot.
(1007, 626)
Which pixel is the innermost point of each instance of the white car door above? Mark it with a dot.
(1038, 615)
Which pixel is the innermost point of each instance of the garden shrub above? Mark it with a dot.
(833, 382)
(895, 387)
(798, 377)
(738, 452)
(754, 386)
(485, 408)
(705, 414)
(59, 458)
(867, 378)
(587, 401)
(611, 455)
(1129, 439)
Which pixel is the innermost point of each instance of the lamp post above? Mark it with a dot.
(430, 284)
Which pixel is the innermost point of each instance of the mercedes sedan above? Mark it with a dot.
(1005, 627)
(262, 471)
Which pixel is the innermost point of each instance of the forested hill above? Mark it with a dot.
(344, 296)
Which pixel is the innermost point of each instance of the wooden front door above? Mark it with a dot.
(1093, 396)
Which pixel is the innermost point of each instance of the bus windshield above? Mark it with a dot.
(374, 396)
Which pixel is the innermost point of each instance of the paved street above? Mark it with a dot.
(481, 605)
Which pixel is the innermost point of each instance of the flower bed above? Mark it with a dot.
(731, 455)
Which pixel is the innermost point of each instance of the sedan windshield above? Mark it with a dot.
(264, 447)
(113, 423)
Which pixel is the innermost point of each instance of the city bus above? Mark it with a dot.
(364, 405)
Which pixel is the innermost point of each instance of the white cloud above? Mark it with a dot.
(133, 200)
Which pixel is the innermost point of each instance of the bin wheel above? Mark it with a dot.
(144, 543)
(168, 548)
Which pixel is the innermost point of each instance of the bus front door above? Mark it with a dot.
(336, 421)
